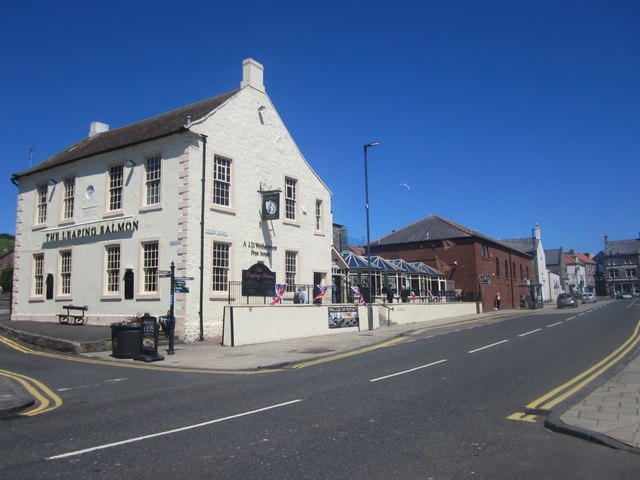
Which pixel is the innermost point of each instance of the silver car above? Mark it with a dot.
(589, 297)
(566, 300)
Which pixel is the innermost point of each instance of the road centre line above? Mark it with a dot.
(487, 346)
(529, 333)
(554, 324)
(570, 318)
(408, 371)
(169, 432)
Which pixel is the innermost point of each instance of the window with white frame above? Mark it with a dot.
(38, 274)
(116, 176)
(69, 198)
(153, 177)
(150, 263)
(41, 204)
(220, 271)
(290, 269)
(290, 198)
(318, 215)
(221, 181)
(65, 272)
(112, 268)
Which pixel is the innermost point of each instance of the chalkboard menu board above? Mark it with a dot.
(258, 281)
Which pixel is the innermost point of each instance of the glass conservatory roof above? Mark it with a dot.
(423, 267)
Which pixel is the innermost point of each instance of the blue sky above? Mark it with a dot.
(496, 114)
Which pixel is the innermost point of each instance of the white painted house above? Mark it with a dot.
(98, 223)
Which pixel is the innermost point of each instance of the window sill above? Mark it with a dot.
(150, 208)
(113, 214)
(110, 298)
(222, 209)
(148, 296)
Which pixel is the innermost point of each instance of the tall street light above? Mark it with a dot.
(366, 206)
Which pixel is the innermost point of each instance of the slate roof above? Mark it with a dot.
(523, 244)
(152, 128)
(435, 227)
(622, 247)
(553, 256)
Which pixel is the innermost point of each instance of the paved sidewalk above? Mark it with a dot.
(610, 414)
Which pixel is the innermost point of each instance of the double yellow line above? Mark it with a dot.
(45, 399)
(546, 402)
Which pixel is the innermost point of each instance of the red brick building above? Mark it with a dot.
(465, 256)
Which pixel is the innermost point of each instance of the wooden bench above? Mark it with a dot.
(78, 318)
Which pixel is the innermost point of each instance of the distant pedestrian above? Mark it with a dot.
(496, 302)
(302, 295)
(390, 293)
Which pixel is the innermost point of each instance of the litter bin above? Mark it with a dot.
(126, 341)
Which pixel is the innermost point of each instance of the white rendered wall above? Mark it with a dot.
(263, 154)
(261, 324)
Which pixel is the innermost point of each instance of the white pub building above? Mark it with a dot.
(216, 188)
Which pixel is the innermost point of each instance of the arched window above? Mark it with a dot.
(497, 267)
(521, 273)
(506, 268)
(513, 269)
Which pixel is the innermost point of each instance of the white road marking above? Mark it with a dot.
(408, 371)
(529, 333)
(570, 318)
(487, 346)
(554, 324)
(169, 432)
(66, 389)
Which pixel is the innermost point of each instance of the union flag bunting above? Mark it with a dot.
(323, 290)
(280, 289)
(357, 294)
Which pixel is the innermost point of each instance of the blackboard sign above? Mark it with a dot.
(258, 281)
(149, 335)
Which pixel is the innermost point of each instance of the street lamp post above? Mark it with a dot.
(366, 206)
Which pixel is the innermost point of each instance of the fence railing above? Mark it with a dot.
(344, 295)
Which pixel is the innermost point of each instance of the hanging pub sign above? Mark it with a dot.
(258, 281)
(271, 205)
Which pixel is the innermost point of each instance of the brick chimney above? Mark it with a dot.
(252, 75)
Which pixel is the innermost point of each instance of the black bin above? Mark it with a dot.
(126, 341)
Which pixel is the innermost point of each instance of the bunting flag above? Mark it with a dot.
(357, 294)
(280, 289)
(323, 290)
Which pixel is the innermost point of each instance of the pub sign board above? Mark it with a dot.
(270, 205)
(258, 281)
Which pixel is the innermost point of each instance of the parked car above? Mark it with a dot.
(589, 297)
(624, 296)
(566, 300)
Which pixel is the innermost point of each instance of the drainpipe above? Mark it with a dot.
(204, 191)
